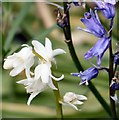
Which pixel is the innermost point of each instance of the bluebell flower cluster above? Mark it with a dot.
(95, 27)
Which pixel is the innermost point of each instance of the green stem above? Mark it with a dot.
(111, 75)
(67, 33)
(59, 111)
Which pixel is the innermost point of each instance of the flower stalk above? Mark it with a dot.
(67, 33)
(59, 111)
(111, 75)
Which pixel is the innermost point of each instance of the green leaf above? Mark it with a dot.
(15, 24)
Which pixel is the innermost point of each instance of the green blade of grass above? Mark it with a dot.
(15, 25)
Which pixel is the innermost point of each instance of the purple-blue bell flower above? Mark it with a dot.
(116, 59)
(87, 75)
(93, 24)
(76, 2)
(115, 86)
(98, 50)
(107, 7)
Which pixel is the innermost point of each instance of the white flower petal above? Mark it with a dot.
(48, 46)
(73, 106)
(45, 73)
(39, 48)
(16, 70)
(31, 97)
(57, 52)
(8, 64)
(38, 71)
(51, 85)
(115, 98)
(27, 71)
(77, 102)
(81, 97)
(24, 82)
(57, 79)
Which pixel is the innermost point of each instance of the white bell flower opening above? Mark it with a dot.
(33, 86)
(73, 99)
(24, 59)
(46, 51)
(43, 71)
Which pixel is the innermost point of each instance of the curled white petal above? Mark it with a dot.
(81, 97)
(115, 98)
(57, 52)
(57, 79)
(31, 97)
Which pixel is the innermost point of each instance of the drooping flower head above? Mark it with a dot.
(41, 80)
(107, 7)
(42, 76)
(87, 75)
(24, 59)
(93, 24)
(98, 50)
(73, 99)
(33, 86)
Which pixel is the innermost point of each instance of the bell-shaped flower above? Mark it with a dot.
(116, 59)
(43, 71)
(98, 50)
(115, 83)
(107, 7)
(93, 24)
(33, 86)
(87, 75)
(115, 86)
(41, 80)
(24, 59)
(79, 3)
(45, 52)
(73, 100)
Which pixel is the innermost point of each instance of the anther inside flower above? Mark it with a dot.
(73, 99)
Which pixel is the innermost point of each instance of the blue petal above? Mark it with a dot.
(98, 50)
(93, 24)
(115, 86)
(88, 74)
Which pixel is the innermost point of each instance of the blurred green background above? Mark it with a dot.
(23, 22)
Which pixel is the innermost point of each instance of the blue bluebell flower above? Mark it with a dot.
(76, 2)
(98, 50)
(107, 7)
(116, 59)
(115, 86)
(87, 75)
(93, 24)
